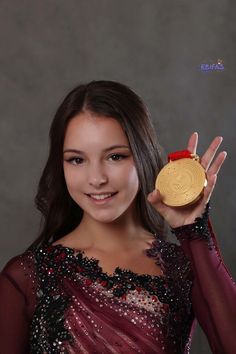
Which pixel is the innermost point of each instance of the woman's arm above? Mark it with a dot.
(15, 306)
(214, 291)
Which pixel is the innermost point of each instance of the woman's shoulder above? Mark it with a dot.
(169, 250)
(20, 268)
(19, 282)
(172, 257)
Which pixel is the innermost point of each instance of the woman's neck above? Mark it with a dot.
(117, 235)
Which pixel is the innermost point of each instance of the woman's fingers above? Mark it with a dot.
(215, 167)
(156, 199)
(210, 153)
(212, 175)
(192, 143)
(209, 188)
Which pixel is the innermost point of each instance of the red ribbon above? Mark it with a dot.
(179, 155)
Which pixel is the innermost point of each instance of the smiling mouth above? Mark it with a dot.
(101, 197)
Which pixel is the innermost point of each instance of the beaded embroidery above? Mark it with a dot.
(166, 297)
(198, 230)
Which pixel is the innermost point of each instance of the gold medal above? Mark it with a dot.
(181, 182)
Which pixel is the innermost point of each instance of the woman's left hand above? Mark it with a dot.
(176, 216)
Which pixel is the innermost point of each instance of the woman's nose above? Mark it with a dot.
(97, 176)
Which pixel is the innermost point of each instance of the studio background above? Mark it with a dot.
(156, 47)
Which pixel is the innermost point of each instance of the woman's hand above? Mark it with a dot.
(179, 216)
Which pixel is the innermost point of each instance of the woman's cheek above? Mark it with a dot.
(72, 178)
(132, 175)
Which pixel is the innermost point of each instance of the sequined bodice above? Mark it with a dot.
(73, 289)
(56, 302)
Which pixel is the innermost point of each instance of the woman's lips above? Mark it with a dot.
(101, 201)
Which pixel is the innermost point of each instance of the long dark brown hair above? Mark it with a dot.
(60, 213)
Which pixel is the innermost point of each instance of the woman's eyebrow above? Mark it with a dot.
(105, 150)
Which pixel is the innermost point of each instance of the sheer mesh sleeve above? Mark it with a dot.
(213, 293)
(17, 302)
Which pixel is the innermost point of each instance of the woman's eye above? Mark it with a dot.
(78, 160)
(117, 157)
(75, 160)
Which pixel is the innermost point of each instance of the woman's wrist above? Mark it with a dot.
(197, 230)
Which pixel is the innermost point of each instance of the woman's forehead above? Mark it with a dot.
(86, 129)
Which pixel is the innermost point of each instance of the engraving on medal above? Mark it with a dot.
(181, 182)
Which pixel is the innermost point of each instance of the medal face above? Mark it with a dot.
(181, 182)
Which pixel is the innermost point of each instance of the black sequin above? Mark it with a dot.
(54, 263)
(198, 230)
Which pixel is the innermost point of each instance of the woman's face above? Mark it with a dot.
(99, 169)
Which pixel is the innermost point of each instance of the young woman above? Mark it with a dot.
(100, 277)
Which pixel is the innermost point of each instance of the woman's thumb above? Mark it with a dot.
(154, 197)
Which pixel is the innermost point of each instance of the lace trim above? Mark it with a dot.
(121, 281)
(54, 263)
(197, 230)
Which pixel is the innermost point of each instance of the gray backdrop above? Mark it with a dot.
(156, 47)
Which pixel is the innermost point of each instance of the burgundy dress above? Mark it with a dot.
(54, 299)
